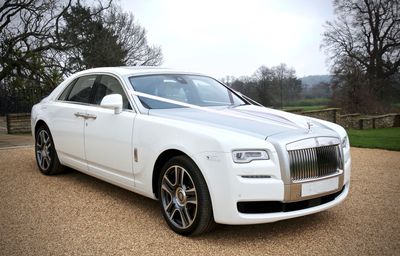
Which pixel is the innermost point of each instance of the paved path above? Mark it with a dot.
(8, 140)
(13, 140)
(75, 214)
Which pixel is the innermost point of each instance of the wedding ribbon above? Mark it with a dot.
(219, 112)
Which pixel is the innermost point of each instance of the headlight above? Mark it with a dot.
(344, 142)
(246, 156)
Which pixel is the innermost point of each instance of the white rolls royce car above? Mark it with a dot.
(206, 152)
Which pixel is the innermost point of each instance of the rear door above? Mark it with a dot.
(68, 122)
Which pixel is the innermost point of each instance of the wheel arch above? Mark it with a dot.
(38, 124)
(159, 163)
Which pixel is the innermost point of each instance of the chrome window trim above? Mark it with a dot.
(89, 105)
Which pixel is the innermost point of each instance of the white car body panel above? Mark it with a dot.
(68, 133)
(108, 141)
(104, 147)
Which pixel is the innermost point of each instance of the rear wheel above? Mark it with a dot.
(46, 155)
(184, 197)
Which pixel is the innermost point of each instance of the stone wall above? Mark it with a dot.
(355, 121)
(365, 123)
(382, 121)
(350, 120)
(18, 123)
(328, 114)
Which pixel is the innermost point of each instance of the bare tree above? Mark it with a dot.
(285, 85)
(367, 32)
(30, 36)
(31, 49)
(264, 77)
(245, 84)
(92, 43)
(133, 38)
(274, 86)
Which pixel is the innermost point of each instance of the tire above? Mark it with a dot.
(185, 202)
(45, 152)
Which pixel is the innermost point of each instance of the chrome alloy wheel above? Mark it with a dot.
(43, 150)
(179, 197)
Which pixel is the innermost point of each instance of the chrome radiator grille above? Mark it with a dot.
(311, 163)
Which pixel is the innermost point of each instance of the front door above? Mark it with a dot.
(108, 136)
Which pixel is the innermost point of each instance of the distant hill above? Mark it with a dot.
(310, 81)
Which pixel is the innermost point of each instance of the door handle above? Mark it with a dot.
(91, 116)
(80, 114)
(84, 115)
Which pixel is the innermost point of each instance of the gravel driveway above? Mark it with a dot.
(75, 214)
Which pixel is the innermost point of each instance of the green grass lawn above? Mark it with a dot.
(308, 104)
(384, 138)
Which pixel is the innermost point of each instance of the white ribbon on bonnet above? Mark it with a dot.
(215, 111)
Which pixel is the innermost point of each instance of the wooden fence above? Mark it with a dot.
(18, 123)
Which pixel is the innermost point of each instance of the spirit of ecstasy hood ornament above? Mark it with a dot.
(309, 124)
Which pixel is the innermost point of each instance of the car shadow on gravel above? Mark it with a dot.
(231, 234)
(121, 195)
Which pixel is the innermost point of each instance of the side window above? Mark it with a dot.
(82, 89)
(109, 85)
(66, 91)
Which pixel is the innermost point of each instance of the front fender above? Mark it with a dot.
(191, 139)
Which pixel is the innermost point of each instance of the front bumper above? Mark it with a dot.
(228, 185)
(272, 217)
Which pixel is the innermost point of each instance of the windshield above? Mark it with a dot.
(191, 89)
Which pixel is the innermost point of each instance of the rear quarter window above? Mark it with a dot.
(82, 89)
(67, 89)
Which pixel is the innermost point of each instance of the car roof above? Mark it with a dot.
(136, 70)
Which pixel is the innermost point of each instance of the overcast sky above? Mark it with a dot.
(222, 37)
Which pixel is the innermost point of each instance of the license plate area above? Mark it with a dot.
(319, 187)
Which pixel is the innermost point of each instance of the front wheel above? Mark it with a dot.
(46, 155)
(184, 197)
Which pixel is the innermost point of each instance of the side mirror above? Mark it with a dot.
(112, 101)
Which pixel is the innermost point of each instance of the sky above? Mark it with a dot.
(235, 38)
